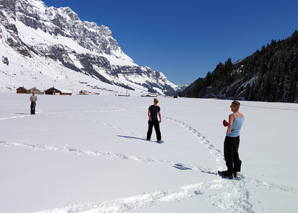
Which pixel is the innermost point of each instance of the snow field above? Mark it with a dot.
(88, 154)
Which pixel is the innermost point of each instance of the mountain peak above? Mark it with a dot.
(57, 36)
(69, 13)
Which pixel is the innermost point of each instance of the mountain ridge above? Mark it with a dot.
(57, 34)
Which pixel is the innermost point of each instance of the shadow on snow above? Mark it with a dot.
(141, 139)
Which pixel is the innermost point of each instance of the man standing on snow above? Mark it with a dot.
(33, 100)
(232, 141)
(153, 120)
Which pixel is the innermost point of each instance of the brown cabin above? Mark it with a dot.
(22, 90)
(55, 91)
(52, 91)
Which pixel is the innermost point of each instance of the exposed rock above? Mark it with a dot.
(5, 60)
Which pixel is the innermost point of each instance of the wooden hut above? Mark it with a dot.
(22, 90)
(55, 91)
(84, 92)
(52, 91)
(36, 91)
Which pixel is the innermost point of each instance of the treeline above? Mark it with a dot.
(270, 74)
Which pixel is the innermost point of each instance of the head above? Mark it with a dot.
(33, 93)
(155, 101)
(235, 106)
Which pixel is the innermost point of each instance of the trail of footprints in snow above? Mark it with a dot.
(105, 154)
(137, 202)
(217, 154)
(141, 159)
(230, 199)
(20, 116)
(98, 122)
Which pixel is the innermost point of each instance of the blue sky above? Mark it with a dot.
(185, 39)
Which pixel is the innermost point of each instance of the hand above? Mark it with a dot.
(225, 123)
(160, 121)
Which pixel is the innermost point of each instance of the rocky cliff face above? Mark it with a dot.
(32, 29)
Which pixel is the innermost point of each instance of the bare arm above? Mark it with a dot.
(159, 117)
(231, 120)
(149, 113)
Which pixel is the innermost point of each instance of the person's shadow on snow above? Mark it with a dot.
(130, 137)
(141, 139)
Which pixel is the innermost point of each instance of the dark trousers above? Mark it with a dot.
(33, 105)
(154, 123)
(231, 147)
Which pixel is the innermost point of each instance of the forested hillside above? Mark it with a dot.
(270, 74)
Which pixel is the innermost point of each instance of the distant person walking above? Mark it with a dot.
(232, 141)
(153, 120)
(33, 100)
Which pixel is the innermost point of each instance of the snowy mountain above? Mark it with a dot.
(44, 46)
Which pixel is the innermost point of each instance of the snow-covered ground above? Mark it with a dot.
(88, 154)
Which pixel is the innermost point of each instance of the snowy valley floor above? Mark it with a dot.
(89, 154)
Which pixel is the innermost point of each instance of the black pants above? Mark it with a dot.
(231, 146)
(33, 105)
(154, 123)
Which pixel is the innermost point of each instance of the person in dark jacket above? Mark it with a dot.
(153, 114)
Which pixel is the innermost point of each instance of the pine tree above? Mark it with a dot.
(281, 84)
(208, 79)
(228, 66)
(267, 87)
(292, 87)
(247, 92)
(202, 94)
(252, 94)
(273, 90)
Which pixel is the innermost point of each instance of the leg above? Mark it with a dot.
(31, 108)
(34, 105)
(150, 126)
(228, 152)
(237, 161)
(157, 130)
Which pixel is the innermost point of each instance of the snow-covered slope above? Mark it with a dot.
(89, 154)
(52, 46)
